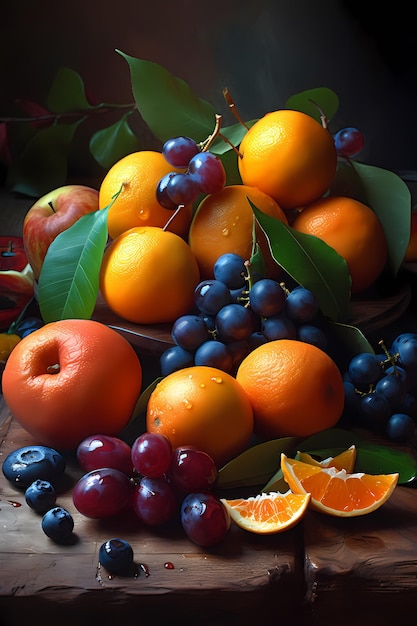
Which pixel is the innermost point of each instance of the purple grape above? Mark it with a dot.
(313, 335)
(301, 305)
(234, 322)
(204, 519)
(231, 270)
(192, 470)
(162, 192)
(278, 327)
(151, 454)
(365, 369)
(102, 493)
(400, 428)
(98, 451)
(175, 358)
(207, 170)
(210, 296)
(154, 501)
(178, 151)
(214, 354)
(267, 297)
(182, 189)
(349, 142)
(189, 332)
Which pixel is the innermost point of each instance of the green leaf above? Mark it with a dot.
(69, 280)
(309, 101)
(371, 458)
(111, 144)
(344, 342)
(42, 164)
(310, 262)
(167, 104)
(67, 93)
(255, 465)
(390, 198)
(137, 423)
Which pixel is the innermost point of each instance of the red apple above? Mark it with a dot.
(51, 215)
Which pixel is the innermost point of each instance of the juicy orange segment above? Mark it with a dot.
(336, 492)
(345, 460)
(268, 513)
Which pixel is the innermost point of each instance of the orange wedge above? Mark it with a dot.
(336, 492)
(345, 460)
(268, 513)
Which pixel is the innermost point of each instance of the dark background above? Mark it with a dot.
(263, 50)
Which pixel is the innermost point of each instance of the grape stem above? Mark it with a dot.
(323, 118)
(173, 216)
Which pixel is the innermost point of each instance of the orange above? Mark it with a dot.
(337, 492)
(268, 513)
(71, 379)
(345, 460)
(411, 252)
(148, 276)
(295, 389)
(137, 175)
(289, 156)
(203, 407)
(224, 222)
(353, 230)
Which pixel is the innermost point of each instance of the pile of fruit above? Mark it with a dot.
(250, 270)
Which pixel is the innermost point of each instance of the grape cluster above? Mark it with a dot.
(154, 481)
(235, 313)
(204, 173)
(380, 389)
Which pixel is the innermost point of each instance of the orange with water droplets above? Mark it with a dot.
(136, 177)
(204, 407)
(224, 222)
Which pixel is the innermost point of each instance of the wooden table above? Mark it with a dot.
(345, 571)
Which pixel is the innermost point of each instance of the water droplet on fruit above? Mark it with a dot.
(202, 385)
(169, 565)
(144, 214)
(217, 379)
(188, 404)
(225, 232)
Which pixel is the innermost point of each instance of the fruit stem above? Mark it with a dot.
(205, 145)
(173, 216)
(53, 369)
(52, 206)
(232, 106)
(323, 118)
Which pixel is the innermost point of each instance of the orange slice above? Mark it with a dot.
(336, 492)
(268, 513)
(345, 460)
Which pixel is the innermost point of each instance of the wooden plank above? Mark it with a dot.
(363, 570)
(231, 581)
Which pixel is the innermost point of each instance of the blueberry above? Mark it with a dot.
(40, 496)
(27, 464)
(58, 524)
(116, 555)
